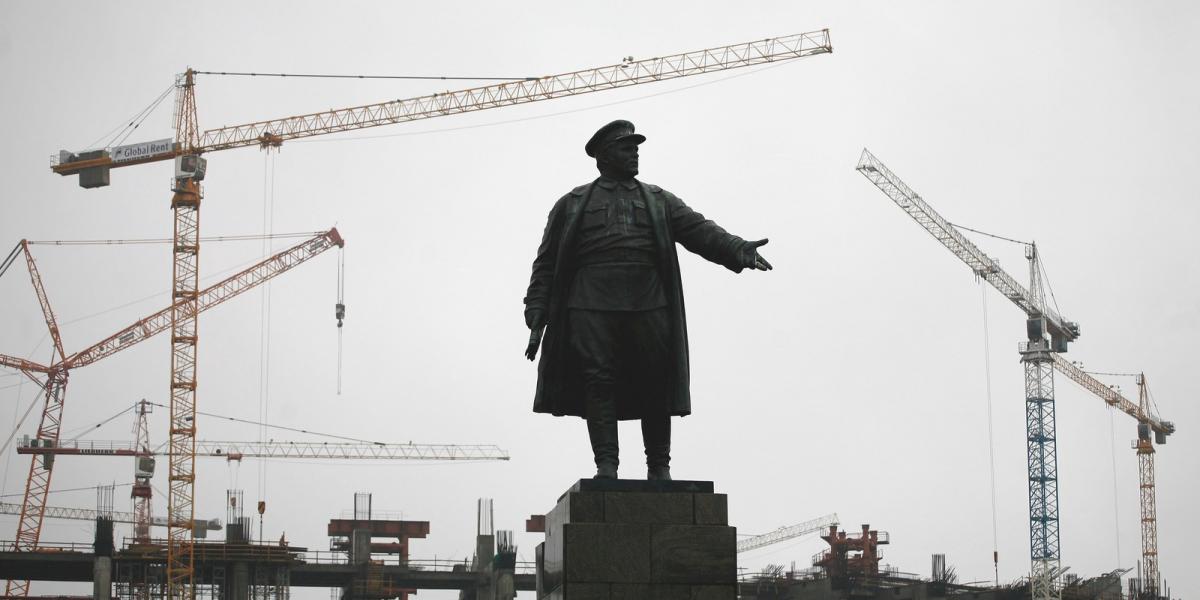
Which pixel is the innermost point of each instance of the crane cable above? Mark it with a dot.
(137, 119)
(78, 489)
(4, 450)
(8, 261)
(134, 122)
(17, 427)
(264, 352)
(270, 426)
(1046, 279)
(991, 235)
(340, 312)
(987, 369)
(88, 428)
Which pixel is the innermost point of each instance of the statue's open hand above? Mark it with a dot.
(535, 340)
(754, 260)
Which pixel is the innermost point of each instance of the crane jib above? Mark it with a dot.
(93, 166)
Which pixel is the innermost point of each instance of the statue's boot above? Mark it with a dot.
(656, 435)
(601, 410)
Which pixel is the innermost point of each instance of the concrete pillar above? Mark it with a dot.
(360, 546)
(102, 578)
(239, 582)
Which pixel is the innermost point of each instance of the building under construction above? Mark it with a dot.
(369, 559)
(369, 556)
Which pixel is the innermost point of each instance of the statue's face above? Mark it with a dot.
(620, 159)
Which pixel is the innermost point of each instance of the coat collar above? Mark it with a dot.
(610, 184)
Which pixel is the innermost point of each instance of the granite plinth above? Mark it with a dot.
(620, 539)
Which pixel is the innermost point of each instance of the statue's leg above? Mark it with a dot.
(656, 435)
(651, 340)
(593, 344)
(602, 429)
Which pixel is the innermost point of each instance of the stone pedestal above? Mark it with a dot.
(620, 539)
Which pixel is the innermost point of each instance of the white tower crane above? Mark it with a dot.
(1041, 357)
(1048, 333)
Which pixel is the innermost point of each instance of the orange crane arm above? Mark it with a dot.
(47, 312)
(21, 364)
(208, 298)
(276, 131)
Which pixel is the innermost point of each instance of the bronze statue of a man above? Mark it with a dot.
(606, 289)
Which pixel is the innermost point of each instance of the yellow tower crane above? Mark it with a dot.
(190, 144)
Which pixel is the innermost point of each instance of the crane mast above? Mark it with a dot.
(143, 471)
(190, 144)
(185, 204)
(1148, 504)
(1047, 334)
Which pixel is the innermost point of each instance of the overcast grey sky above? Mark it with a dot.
(850, 379)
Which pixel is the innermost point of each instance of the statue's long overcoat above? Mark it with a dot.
(560, 386)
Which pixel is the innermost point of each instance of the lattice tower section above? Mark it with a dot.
(1042, 471)
(185, 278)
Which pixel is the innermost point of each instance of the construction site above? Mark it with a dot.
(351, 420)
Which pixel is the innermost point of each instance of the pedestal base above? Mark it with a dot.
(621, 539)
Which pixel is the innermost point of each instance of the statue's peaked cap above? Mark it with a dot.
(610, 134)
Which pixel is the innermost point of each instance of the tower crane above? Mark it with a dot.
(190, 144)
(37, 485)
(1048, 334)
(1149, 425)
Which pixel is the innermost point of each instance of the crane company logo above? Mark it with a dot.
(142, 150)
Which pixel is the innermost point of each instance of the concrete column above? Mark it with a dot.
(360, 546)
(102, 578)
(239, 582)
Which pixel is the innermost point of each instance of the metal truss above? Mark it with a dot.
(276, 131)
(1041, 447)
(285, 449)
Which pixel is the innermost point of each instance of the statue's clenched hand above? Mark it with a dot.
(535, 340)
(752, 259)
(536, 324)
